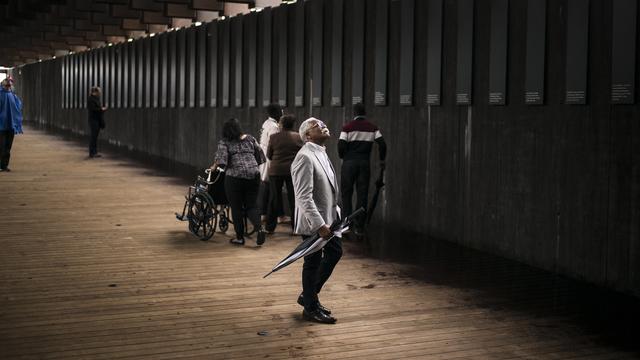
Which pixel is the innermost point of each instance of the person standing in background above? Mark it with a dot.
(10, 121)
(354, 148)
(283, 147)
(96, 119)
(240, 156)
(269, 127)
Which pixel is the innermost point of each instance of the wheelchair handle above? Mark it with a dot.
(209, 171)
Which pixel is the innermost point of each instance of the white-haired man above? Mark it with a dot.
(316, 197)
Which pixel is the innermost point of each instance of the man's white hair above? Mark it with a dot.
(305, 126)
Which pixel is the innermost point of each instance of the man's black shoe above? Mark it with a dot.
(318, 316)
(322, 308)
(261, 237)
(5, 169)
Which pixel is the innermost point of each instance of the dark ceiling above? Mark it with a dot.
(37, 29)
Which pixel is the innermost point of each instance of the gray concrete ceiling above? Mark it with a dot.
(31, 30)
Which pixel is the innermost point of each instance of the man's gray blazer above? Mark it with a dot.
(316, 191)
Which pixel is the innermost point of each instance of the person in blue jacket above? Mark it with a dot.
(10, 121)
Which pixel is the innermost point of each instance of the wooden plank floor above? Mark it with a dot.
(94, 265)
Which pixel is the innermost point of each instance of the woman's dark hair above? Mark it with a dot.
(274, 111)
(287, 121)
(231, 130)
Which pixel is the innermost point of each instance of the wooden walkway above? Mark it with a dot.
(94, 265)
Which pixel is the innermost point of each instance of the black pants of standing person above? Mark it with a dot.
(317, 269)
(355, 173)
(6, 142)
(263, 199)
(275, 200)
(242, 195)
(94, 126)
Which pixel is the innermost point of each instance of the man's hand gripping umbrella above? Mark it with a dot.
(317, 242)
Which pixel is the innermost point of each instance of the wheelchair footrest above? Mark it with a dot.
(180, 217)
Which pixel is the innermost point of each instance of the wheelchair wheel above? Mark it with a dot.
(203, 217)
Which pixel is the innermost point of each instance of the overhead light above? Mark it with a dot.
(152, 34)
(223, 17)
(110, 44)
(130, 40)
(53, 57)
(197, 23)
(39, 60)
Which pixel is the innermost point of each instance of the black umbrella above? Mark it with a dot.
(316, 242)
(376, 195)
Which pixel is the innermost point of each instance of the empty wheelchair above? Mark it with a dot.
(206, 207)
(200, 209)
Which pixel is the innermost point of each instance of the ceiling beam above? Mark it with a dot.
(149, 5)
(124, 11)
(179, 10)
(209, 5)
(151, 17)
(133, 24)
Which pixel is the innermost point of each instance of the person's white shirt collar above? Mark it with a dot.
(317, 147)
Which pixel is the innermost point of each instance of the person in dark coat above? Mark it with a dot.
(10, 121)
(96, 119)
(282, 149)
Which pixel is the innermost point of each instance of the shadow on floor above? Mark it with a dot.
(502, 285)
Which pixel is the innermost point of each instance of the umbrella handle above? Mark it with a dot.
(349, 219)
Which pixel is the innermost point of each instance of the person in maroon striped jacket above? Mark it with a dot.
(354, 148)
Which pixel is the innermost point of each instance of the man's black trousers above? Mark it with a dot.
(275, 200)
(316, 271)
(6, 141)
(354, 173)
